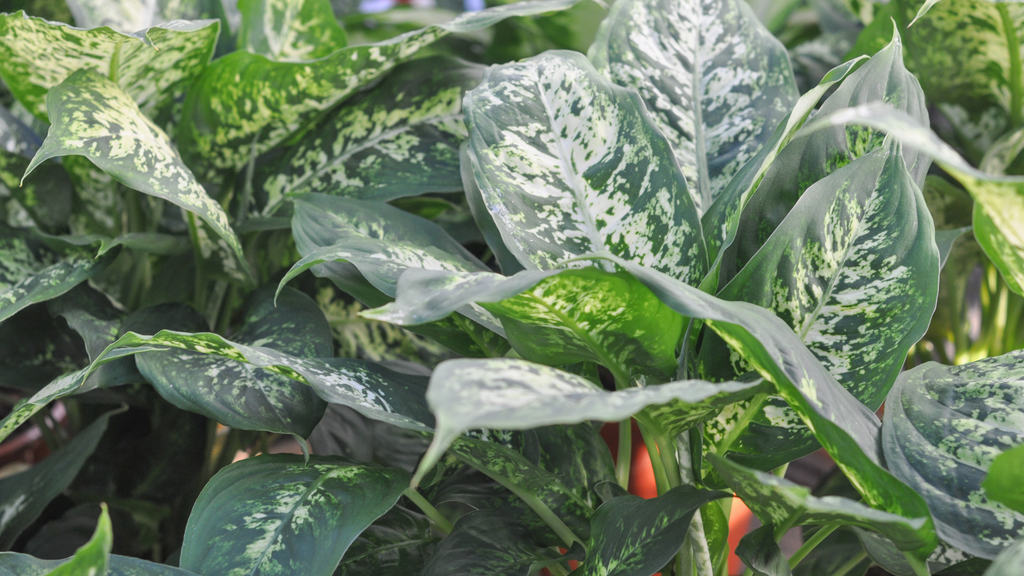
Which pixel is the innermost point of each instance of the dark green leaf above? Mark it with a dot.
(760, 552)
(839, 550)
(1003, 481)
(36, 348)
(289, 30)
(486, 542)
(398, 543)
(278, 515)
(344, 432)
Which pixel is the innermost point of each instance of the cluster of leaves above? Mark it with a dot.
(727, 221)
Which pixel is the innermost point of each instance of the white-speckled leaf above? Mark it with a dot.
(91, 116)
(399, 139)
(153, 66)
(512, 394)
(943, 427)
(289, 30)
(127, 16)
(568, 164)
(245, 103)
(277, 515)
(717, 83)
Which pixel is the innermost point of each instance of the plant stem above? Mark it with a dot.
(701, 552)
(781, 529)
(811, 544)
(741, 423)
(623, 460)
(538, 506)
(1013, 47)
(851, 564)
(657, 464)
(442, 523)
(557, 570)
(920, 568)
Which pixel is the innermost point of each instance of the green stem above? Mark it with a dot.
(701, 552)
(538, 506)
(741, 423)
(1013, 47)
(557, 570)
(781, 470)
(442, 523)
(624, 459)
(657, 465)
(811, 543)
(781, 529)
(919, 567)
(851, 564)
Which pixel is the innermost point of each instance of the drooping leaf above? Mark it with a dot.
(153, 67)
(486, 542)
(1003, 481)
(14, 564)
(92, 117)
(220, 132)
(634, 537)
(398, 139)
(234, 394)
(24, 496)
(276, 514)
(31, 271)
(568, 164)
(514, 394)
(1008, 562)
(778, 501)
(716, 92)
(944, 425)
(761, 553)
(289, 30)
(397, 544)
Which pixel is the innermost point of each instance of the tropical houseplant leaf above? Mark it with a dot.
(291, 30)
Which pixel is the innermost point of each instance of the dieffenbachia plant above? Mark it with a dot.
(662, 230)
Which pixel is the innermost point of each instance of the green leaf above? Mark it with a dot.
(717, 93)
(1003, 481)
(45, 196)
(634, 537)
(944, 425)
(36, 348)
(398, 139)
(760, 552)
(278, 515)
(130, 15)
(24, 496)
(14, 564)
(485, 223)
(289, 30)
(153, 67)
(238, 396)
(506, 393)
(31, 271)
(94, 556)
(778, 501)
(92, 117)
(398, 543)
(838, 550)
(568, 164)
(1008, 562)
(344, 432)
(219, 129)
(486, 542)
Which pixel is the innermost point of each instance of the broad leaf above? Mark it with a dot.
(519, 395)
(761, 553)
(634, 537)
(31, 271)
(486, 542)
(944, 425)
(344, 432)
(36, 348)
(778, 501)
(568, 164)
(484, 221)
(220, 132)
(398, 543)
(716, 92)
(238, 396)
(1008, 562)
(278, 515)
(45, 196)
(24, 496)
(153, 67)
(289, 30)
(398, 139)
(92, 117)
(1003, 481)
(94, 556)
(14, 564)
(130, 15)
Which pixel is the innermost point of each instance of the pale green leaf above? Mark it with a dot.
(14, 564)
(716, 92)
(94, 556)
(1002, 483)
(289, 30)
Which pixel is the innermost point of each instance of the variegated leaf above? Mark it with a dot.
(31, 271)
(153, 66)
(398, 543)
(127, 16)
(576, 315)
(568, 164)
(289, 30)
(943, 427)
(1008, 562)
(246, 104)
(717, 83)
(277, 515)
(484, 221)
(778, 501)
(806, 160)
(506, 393)
(399, 139)
(92, 117)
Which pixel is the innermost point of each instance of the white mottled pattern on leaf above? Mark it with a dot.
(570, 164)
(289, 30)
(92, 117)
(154, 66)
(715, 80)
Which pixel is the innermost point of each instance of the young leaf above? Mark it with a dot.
(94, 556)
(398, 139)
(153, 67)
(778, 501)
(92, 117)
(944, 425)
(234, 394)
(220, 132)
(762, 554)
(568, 164)
(289, 30)
(24, 496)
(278, 515)
(487, 542)
(398, 543)
(14, 564)
(634, 537)
(1003, 481)
(717, 93)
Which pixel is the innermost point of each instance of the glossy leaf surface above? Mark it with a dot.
(289, 30)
